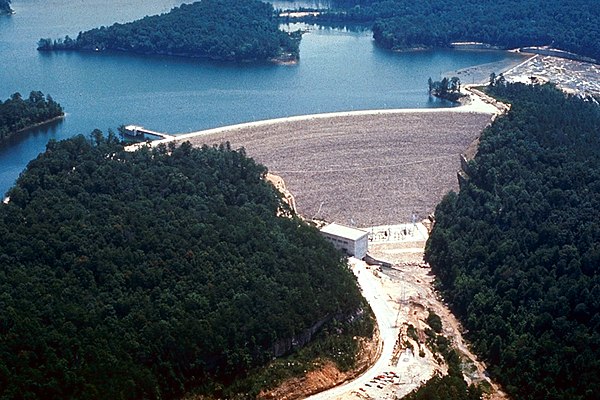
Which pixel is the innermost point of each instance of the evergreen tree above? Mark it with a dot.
(516, 250)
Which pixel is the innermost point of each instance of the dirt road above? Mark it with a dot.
(372, 290)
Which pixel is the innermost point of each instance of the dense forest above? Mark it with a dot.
(5, 7)
(17, 113)
(150, 274)
(227, 30)
(517, 250)
(570, 25)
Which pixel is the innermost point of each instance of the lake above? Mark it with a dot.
(338, 71)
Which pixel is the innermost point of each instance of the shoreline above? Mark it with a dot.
(13, 134)
(479, 74)
(476, 105)
(39, 124)
(276, 60)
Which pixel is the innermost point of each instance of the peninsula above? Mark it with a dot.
(507, 24)
(225, 30)
(18, 114)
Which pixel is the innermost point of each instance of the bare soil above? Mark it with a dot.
(324, 377)
(414, 281)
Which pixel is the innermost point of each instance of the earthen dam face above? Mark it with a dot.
(365, 169)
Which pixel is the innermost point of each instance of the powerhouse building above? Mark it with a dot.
(354, 242)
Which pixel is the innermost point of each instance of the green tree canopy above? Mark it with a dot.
(517, 252)
(17, 113)
(228, 30)
(570, 25)
(148, 274)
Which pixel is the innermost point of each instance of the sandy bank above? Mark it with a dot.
(480, 74)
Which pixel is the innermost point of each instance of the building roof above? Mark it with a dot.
(344, 231)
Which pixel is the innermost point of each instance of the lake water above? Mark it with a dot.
(338, 71)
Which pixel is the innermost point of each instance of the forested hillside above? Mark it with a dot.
(570, 25)
(5, 7)
(17, 113)
(517, 250)
(228, 30)
(146, 275)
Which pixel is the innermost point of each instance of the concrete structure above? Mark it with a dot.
(351, 241)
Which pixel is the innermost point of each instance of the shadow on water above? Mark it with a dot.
(18, 150)
(436, 102)
(298, 4)
(45, 132)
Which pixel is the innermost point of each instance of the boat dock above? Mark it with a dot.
(139, 131)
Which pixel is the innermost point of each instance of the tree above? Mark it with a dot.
(443, 88)
(509, 249)
(145, 275)
(501, 80)
(44, 44)
(448, 89)
(5, 7)
(218, 29)
(404, 24)
(454, 85)
(17, 113)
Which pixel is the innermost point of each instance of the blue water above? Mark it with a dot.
(338, 71)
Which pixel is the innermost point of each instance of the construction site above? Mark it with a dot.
(368, 172)
(372, 171)
(406, 288)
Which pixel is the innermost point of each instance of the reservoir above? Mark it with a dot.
(339, 70)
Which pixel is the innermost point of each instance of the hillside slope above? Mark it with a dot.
(517, 252)
(149, 274)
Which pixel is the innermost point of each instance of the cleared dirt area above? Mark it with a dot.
(402, 296)
(326, 376)
(410, 284)
(577, 77)
(363, 169)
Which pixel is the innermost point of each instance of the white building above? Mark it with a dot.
(351, 241)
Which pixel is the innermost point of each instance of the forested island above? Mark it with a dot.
(17, 114)
(517, 251)
(404, 24)
(153, 274)
(227, 30)
(5, 7)
(446, 88)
